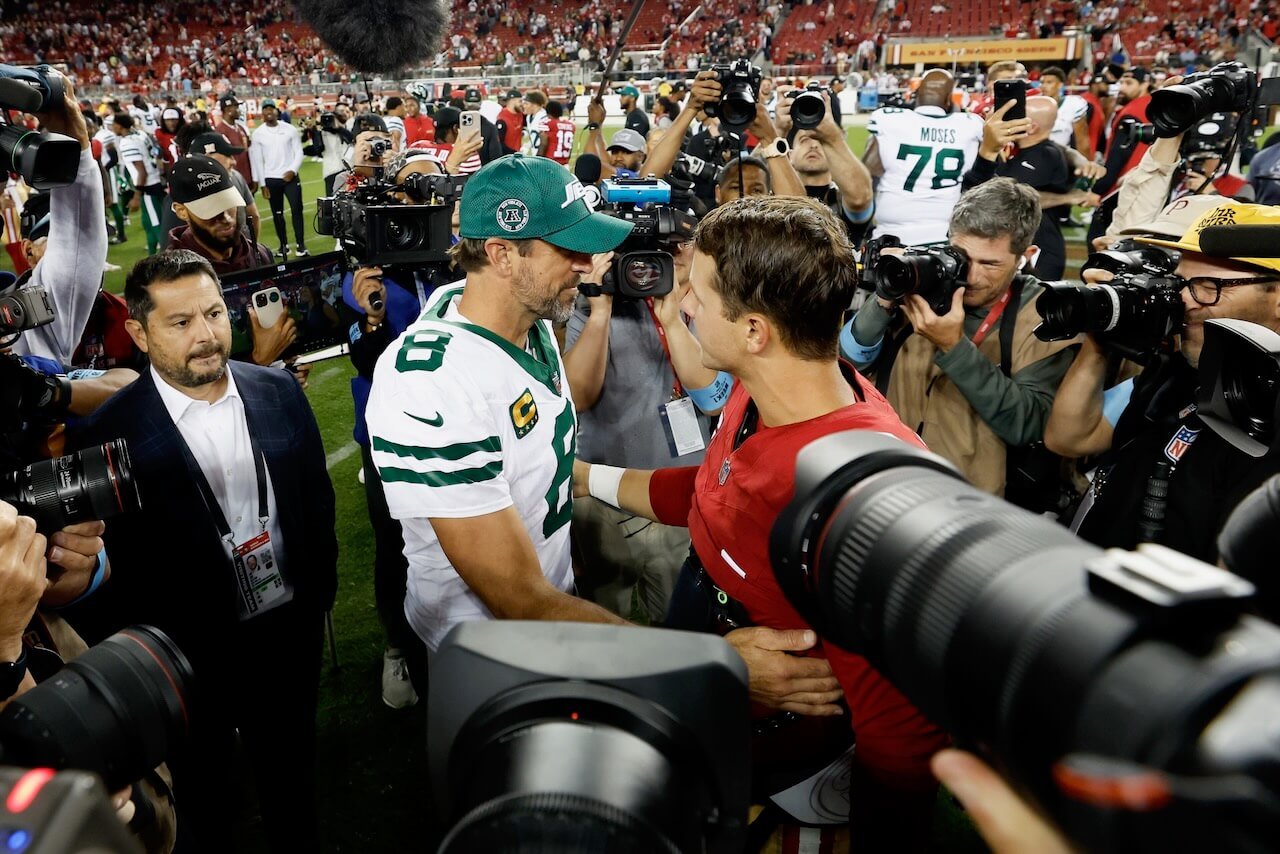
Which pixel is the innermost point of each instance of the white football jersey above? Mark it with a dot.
(462, 423)
(136, 148)
(1071, 110)
(925, 153)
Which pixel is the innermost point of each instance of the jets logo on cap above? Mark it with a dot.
(513, 215)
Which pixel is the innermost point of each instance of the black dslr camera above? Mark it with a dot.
(45, 160)
(1135, 314)
(807, 106)
(933, 273)
(740, 89)
(643, 265)
(1228, 87)
(377, 229)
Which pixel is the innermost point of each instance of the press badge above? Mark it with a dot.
(680, 421)
(258, 574)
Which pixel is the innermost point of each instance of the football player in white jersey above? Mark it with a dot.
(919, 156)
(1072, 125)
(471, 421)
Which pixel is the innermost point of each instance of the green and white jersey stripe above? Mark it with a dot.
(463, 423)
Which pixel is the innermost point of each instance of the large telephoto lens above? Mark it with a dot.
(1032, 645)
(1070, 310)
(96, 483)
(119, 710)
(46, 160)
(807, 110)
(1174, 109)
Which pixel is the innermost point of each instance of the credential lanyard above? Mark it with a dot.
(677, 390)
(992, 318)
(215, 509)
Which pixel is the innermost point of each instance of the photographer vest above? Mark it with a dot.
(928, 401)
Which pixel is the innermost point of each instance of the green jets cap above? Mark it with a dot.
(521, 198)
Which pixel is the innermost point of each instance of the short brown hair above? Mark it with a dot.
(787, 258)
(1054, 71)
(468, 253)
(533, 96)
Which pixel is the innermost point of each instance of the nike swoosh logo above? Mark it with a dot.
(430, 422)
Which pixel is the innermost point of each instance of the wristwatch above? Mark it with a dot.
(593, 126)
(12, 673)
(774, 148)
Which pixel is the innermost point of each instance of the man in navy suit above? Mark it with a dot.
(233, 553)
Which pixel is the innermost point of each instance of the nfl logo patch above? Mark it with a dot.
(1180, 443)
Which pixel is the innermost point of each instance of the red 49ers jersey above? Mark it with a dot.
(561, 132)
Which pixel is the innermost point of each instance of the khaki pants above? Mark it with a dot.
(616, 553)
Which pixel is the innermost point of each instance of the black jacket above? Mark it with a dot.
(168, 566)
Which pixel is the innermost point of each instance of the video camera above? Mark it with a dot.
(377, 229)
(934, 273)
(23, 306)
(740, 89)
(1136, 313)
(1228, 87)
(807, 107)
(329, 121)
(643, 265)
(44, 160)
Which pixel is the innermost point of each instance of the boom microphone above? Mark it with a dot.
(379, 36)
(1241, 241)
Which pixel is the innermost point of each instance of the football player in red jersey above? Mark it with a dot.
(557, 142)
(770, 278)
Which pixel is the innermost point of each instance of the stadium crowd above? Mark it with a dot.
(541, 437)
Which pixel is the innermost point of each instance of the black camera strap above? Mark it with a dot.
(215, 509)
(1007, 324)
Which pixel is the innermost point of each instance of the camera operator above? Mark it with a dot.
(335, 140)
(634, 368)
(625, 156)
(387, 303)
(973, 382)
(781, 344)
(1124, 151)
(66, 252)
(35, 641)
(778, 174)
(827, 168)
(1147, 429)
(1040, 164)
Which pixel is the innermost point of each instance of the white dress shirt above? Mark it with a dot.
(218, 435)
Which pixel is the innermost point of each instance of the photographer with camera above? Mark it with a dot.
(643, 397)
(66, 247)
(770, 164)
(387, 302)
(827, 168)
(955, 354)
(1162, 477)
(781, 344)
(1124, 149)
(336, 139)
